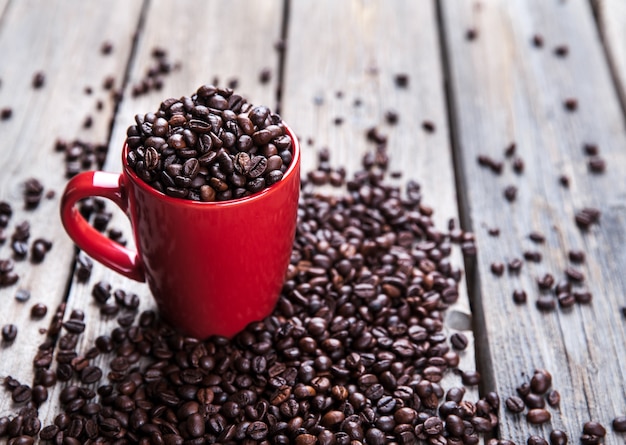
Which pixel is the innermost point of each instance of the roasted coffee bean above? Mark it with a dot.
(558, 437)
(536, 440)
(553, 398)
(540, 381)
(497, 269)
(21, 394)
(538, 416)
(9, 332)
(594, 429)
(510, 193)
(576, 256)
(459, 341)
(515, 404)
(519, 296)
(619, 424)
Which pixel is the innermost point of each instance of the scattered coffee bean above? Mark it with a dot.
(553, 398)
(576, 256)
(538, 41)
(537, 237)
(106, 47)
(459, 341)
(583, 297)
(9, 332)
(519, 296)
(561, 50)
(84, 266)
(429, 126)
(591, 149)
(510, 193)
(401, 80)
(558, 437)
(471, 34)
(6, 113)
(574, 275)
(586, 217)
(515, 404)
(619, 424)
(39, 78)
(538, 416)
(38, 310)
(497, 269)
(570, 104)
(545, 303)
(22, 295)
(546, 281)
(536, 440)
(540, 381)
(533, 256)
(391, 117)
(265, 75)
(518, 165)
(509, 151)
(493, 231)
(564, 181)
(596, 164)
(514, 265)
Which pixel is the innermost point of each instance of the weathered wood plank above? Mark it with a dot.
(35, 37)
(506, 90)
(356, 49)
(612, 22)
(236, 55)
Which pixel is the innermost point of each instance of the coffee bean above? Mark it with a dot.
(536, 440)
(546, 281)
(570, 104)
(558, 437)
(574, 275)
(38, 310)
(594, 429)
(587, 216)
(21, 394)
(561, 50)
(596, 164)
(576, 256)
(470, 378)
(519, 296)
(538, 416)
(619, 424)
(459, 341)
(514, 265)
(515, 404)
(90, 374)
(9, 332)
(510, 193)
(74, 326)
(401, 80)
(39, 79)
(540, 381)
(497, 269)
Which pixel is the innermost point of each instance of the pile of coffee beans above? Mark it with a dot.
(212, 146)
(354, 352)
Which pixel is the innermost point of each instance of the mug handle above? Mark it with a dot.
(94, 243)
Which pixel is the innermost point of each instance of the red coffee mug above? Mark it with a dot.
(212, 267)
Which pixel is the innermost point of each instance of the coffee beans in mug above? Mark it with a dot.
(212, 146)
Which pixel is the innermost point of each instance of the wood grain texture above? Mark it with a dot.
(36, 37)
(506, 90)
(237, 55)
(612, 22)
(357, 48)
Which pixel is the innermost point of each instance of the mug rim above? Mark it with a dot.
(295, 144)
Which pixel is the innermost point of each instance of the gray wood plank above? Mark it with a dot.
(611, 16)
(506, 90)
(357, 48)
(36, 37)
(241, 55)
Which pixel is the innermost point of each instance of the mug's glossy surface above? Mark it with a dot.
(211, 267)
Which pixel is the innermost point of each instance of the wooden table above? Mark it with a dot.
(476, 71)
